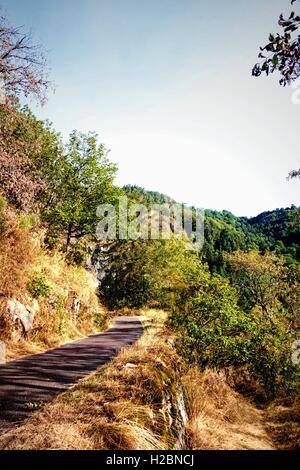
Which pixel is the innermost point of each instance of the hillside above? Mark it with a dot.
(277, 230)
(216, 364)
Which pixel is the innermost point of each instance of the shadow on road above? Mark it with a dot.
(41, 377)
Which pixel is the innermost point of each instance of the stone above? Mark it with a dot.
(130, 366)
(2, 352)
(171, 342)
(22, 313)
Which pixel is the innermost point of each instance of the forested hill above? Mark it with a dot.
(279, 225)
(277, 230)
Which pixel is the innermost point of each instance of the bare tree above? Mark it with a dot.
(22, 64)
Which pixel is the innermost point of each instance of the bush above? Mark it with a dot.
(77, 255)
(215, 332)
(28, 221)
(137, 273)
(38, 287)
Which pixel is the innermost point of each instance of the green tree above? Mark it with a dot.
(259, 279)
(80, 179)
(137, 273)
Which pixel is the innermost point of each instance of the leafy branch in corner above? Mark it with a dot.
(282, 53)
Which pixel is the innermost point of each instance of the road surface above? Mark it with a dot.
(39, 378)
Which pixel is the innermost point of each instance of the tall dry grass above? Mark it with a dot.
(283, 423)
(22, 259)
(219, 417)
(18, 249)
(119, 407)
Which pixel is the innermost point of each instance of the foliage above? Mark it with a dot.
(77, 255)
(274, 231)
(214, 329)
(136, 273)
(277, 225)
(294, 174)
(282, 53)
(141, 195)
(81, 179)
(27, 148)
(225, 233)
(259, 279)
(38, 286)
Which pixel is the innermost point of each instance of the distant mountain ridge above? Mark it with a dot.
(224, 232)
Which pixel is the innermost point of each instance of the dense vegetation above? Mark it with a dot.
(235, 303)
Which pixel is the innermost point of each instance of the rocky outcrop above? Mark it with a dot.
(21, 316)
(174, 414)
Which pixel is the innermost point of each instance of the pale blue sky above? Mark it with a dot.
(167, 86)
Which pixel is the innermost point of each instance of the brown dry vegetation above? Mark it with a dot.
(220, 418)
(283, 423)
(122, 406)
(119, 407)
(23, 258)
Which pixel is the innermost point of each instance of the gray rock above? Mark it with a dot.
(2, 352)
(22, 313)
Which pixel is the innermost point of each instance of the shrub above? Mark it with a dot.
(38, 287)
(215, 332)
(28, 221)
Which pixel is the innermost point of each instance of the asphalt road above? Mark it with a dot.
(39, 378)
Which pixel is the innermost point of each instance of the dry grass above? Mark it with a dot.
(119, 407)
(23, 258)
(122, 406)
(283, 418)
(18, 249)
(57, 322)
(16, 350)
(220, 418)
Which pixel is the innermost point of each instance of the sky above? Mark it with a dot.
(167, 86)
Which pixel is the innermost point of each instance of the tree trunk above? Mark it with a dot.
(69, 236)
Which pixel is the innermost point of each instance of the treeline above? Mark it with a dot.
(240, 314)
(234, 304)
(277, 231)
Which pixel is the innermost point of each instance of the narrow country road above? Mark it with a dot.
(41, 377)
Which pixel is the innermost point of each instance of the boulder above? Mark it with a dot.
(23, 314)
(171, 342)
